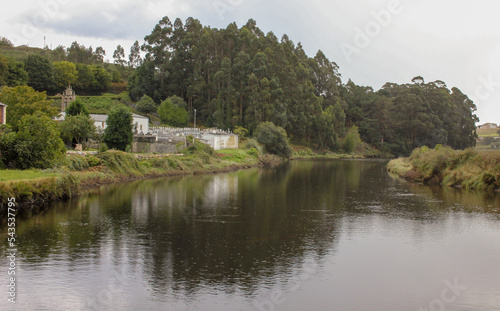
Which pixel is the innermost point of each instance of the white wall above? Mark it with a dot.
(141, 124)
(219, 142)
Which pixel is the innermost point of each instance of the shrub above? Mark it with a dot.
(251, 143)
(118, 134)
(77, 107)
(93, 161)
(351, 140)
(241, 131)
(103, 147)
(173, 112)
(146, 105)
(36, 145)
(77, 163)
(253, 152)
(274, 139)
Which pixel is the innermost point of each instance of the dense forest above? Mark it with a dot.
(242, 77)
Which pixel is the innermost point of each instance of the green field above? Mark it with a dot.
(10, 175)
(20, 53)
(488, 132)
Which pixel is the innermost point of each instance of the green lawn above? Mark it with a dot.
(10, 175)
(487, 133)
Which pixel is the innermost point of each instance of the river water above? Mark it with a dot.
(307, 235)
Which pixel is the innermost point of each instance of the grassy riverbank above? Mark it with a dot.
(466, 169)
(35, 187)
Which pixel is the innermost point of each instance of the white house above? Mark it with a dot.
(141, 123)
(220, 141)
(488, 126)
(3, 113)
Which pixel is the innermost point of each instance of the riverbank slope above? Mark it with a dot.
(33, 188)
(466, 169)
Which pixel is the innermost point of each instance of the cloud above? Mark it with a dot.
(119, 20)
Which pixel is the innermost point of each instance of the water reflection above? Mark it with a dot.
(212, 242)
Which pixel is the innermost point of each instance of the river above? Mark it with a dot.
(307, 235)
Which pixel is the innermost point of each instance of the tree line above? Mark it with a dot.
(243, 77)
(82, 67)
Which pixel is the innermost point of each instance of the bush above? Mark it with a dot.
(253, 152)
(351, 140)
(103, 147)
(93, 161)
(252, 143)
(118, 134)
(77, 163)
(36, 145)
(274, 139)
(146, 105)
(241, 131)
(172, 112)
(199, 148)
(77, 107)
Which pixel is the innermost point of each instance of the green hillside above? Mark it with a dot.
(21, 52)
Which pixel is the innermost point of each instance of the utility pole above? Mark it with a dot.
(195, 121)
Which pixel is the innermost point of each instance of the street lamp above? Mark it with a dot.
(195, 120)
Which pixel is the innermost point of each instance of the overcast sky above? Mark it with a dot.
(373, 41)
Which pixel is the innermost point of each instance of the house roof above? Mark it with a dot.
(2, 104)
(135, 115)
(104, 117)
(99, 117)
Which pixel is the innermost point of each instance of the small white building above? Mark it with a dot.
(3, 113)
(220, 141)
(141, 123)
(488, 126)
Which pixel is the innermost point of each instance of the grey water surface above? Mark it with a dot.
(307, 235)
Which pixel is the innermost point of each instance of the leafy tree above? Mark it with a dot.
(102, 78)
(146, 105)
(116, 77)
(134, 58)
(171, 114)
(65, 73)
(118, 133)
(23, 100)
(177, 101)
(5, 42)
(143, 82)
(17, 75)
(119, 55)
(98, 56)
(58, 54)
(351, 140)
(78, 127)
(77, 53)
(274, 139)
(77, 107)
(37, 144)
(86, 78)
(40, 73)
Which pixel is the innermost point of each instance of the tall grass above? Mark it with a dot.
(468, 169)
